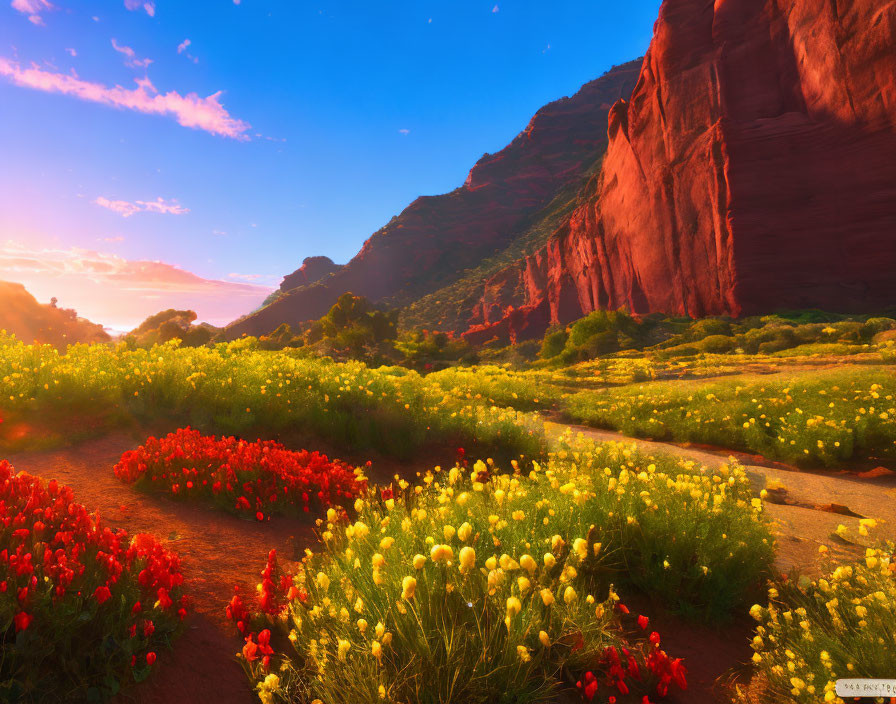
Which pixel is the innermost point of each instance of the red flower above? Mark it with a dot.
(643, 621)
(22, 621)
(591, 690)
(260, 477)
(102, 594)
(164, 600)
(150, 658)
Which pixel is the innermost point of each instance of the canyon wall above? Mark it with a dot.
(753, 169)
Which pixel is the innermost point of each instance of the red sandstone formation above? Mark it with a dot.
(753, 169)
(436, 237)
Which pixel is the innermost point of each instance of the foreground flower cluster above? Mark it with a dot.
(260, 478)
(83, 608)
(482, 586)
(839, 626)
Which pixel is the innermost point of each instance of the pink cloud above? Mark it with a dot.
(182, 47)
(33, 8)
(126, 208)
(130, 56)
(84, 279)
(189, 110)
(148, 7)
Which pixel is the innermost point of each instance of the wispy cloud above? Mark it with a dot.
(189, 110)
(83, 279)
(495, 9)
(149, 6)
(404, 131)
(130, 55)
(113, 240)
(72, 52)
(254, 278)
(33, 8)
(126, 208)
(182, 47)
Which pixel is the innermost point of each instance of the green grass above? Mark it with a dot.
(234, 389)
(817, 418)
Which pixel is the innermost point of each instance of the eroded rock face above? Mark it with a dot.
(753, 169)
(313, 269)
(436, 237)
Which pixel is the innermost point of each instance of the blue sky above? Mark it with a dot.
(331, 118)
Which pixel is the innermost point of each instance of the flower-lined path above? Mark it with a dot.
(808, 507)
(217, 551)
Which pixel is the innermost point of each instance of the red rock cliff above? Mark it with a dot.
(753, 169)
(436, 237)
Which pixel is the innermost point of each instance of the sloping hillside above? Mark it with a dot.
(30, 321)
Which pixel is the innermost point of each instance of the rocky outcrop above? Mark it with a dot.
(313, 269)
(753, 169)
(437, 237)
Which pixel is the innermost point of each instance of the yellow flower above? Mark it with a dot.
(467, 559)
(528, 564)
(377, 650)
(441, 553)
(544, 638)
(523, 653)
(464, 532)
(580, 548)
(343, 648)
(524, 584)
(513, 608)
(323, 581)
(408, 588)
(549, 560)
(361, 530)
(419, 562)
(362, 625)
(547, 596)
(569, 595)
